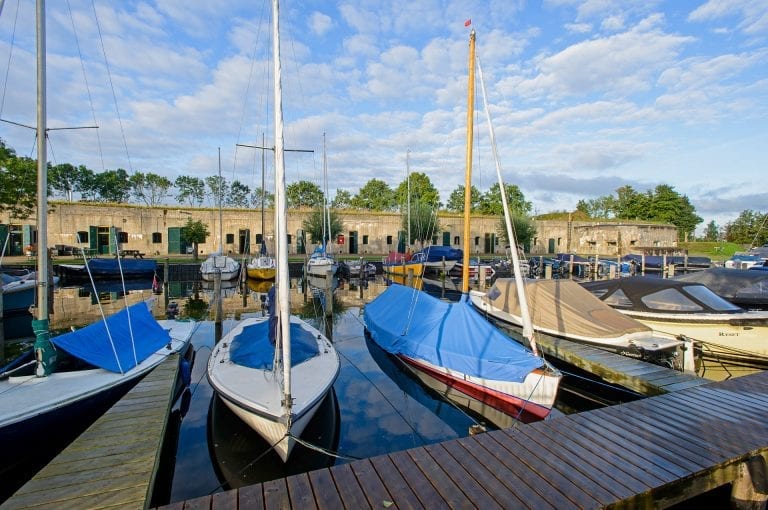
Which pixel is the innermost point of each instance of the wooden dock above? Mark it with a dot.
(650, 453)
(113, 463)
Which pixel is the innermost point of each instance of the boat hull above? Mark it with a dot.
(262, 273)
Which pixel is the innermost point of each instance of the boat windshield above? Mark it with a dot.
(709, 298)
(670, 300)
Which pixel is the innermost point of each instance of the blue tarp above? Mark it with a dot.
(435, 253)
(252, 347)
(91, 343)
(109, 267)
(450, 335)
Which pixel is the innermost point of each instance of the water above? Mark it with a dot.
(377, 405)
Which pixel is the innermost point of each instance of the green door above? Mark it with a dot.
(446, 238)
(93, 238)
(5, 241)
(174, 240)
(353, 242)
(551, 246)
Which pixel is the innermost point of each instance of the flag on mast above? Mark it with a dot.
(468, 22)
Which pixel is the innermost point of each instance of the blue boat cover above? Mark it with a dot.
(252, 347)
(435, 253)
(104, 266)
(452, 335)
(92, 344)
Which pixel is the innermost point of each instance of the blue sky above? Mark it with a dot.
(585, 95)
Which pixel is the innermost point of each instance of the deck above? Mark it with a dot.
(654, 452)
(113, 463)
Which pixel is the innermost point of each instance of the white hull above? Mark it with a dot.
(256, 395)
(26, 397)
(227, 266)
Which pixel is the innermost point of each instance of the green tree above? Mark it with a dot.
(219, 189)
(304, 194)
(748, 228)
(256, 198)
(422, 190)
(712, 232)
(491, 203)
(150, 188)
(18, 184)
(456, 199)
(524, 230)
(191, 190)
(194, 233)
(629, 204)
(64, 179)
(112, 186)
(375, 195)
(424, 222)
(313, 226)
(238, 194)
(601, 207)
(342, 200)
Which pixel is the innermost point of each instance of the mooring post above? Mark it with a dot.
(328, 293)
(217, 295)
(166, 272)
(750, 489)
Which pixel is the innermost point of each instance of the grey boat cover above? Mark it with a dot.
(564, 306)
(739, 286)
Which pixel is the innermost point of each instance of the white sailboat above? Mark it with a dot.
(37, 395)
(274, 372)
(228, 267)
(263, 265)
(321, 262)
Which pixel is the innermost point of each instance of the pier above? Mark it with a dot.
(651, 453)
(113, 464)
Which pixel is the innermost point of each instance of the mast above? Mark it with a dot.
(468, 173)
(408, 180)
(281, 213)
(326, 212)
(263, 191)
(524, 311)
(221, 214)
(44, 351)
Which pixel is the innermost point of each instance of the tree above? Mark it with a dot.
(194, 233)
(18, 184)
(424, 222)
(238, 194)
(629, 204)
(256, 198)
(219, 189)
(524, 230)
(491, 203)
(65, 179)
(342, 200)
(422, 190)
(375, 195)
(456, 199)
(712, 232)
(748, 228)
(151, 188)
(601, 207)
(304, 194)
(112, 186)
(313, 226)
(191, 190)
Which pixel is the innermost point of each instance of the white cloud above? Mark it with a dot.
(320, 23)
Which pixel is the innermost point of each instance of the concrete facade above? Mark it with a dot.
(155, 231)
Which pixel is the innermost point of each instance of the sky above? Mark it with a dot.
(585, 96)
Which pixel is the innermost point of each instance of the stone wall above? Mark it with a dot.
(149, 230)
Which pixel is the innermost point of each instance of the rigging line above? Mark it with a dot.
(325, 451)
(10, 55)
(112, 86)
(383, 396)
(254, 461)
(125, 300)
(101, 311)
(87, 85)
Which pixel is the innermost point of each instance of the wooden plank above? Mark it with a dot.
(374, 490)
(251, 497)
(417, 480)
(453, 495)
(300, 492)
(545, 463)
(456, 471)
(349, 490)
(523, 490)
(226, 500)
(400, 492)
(276, 494)
(324, 488)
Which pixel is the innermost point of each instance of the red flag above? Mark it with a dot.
(468, 22)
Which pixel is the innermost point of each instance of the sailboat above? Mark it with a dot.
(218, 263)
(273, 372)
(321, 262)
(454, 343)
(405, 264)
(71, 374)
(262, 266)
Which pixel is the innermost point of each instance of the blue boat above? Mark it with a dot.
(434, 256)
(108, 268)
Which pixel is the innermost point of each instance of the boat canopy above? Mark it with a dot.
(435, 253)
(92, 343)
(252, 347)
(452, 335)
(564, 306)
(743, 288)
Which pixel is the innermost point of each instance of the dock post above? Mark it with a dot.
(750, 489)
(409, 278)
(663, 265)
(548, 272)
(2, 325)
(166, 271)
(642, 264)
(305, 287)
(329, 293)
(217, 295)
(570, 267)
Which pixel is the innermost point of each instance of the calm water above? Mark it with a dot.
(377, 405)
